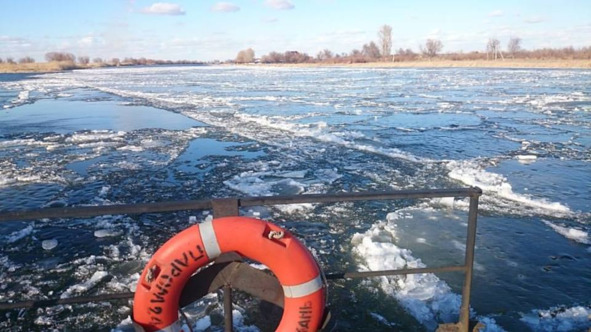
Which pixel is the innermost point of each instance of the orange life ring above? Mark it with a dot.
(156, 300)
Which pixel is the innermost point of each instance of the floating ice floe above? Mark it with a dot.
(261, 184)
(492, 184)
(295, 208)
(95, 136)
(22, 98)
(526, 159)
(238, 322)
(447, 202)
(570, 233)
(202, 324)
(292, 174)
(426, 297)
(49, 244)
(19, 234)
(106, 233)
(97, 277)
(381, 319)
(577, 318)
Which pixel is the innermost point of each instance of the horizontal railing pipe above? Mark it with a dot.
(123, 296)
(70, 300)
(159, 207)
(382, 273)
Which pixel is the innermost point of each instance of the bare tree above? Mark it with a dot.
(514, 46)
(60, 56)
(385, 40)
(127, 61)
(10, 61)
(83, 60)
(324, 55)
(115, 61)
(273, 57)
(250, 54)
(97, 60)
(493, 47)
(296, 57)
(371, 51)
(240, 57)
(26, 59)
(432, 47)
(1, 61)
(356, 56)
(245, 56)
(405, 55)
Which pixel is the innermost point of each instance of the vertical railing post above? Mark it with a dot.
(469, 264)
(226, 207)
(228, 320)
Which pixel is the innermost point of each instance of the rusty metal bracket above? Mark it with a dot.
(225, 207)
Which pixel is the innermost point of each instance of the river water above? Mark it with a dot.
(136, 135)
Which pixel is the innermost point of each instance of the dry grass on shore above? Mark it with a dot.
(44, 67)
(48, 67)
(40, 67)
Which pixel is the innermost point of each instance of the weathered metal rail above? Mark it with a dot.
(231, 207)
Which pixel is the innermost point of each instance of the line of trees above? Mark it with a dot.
(370, 52)
(69, 60)
(11, 60)
(382, 51)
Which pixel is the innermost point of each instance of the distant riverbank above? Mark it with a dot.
(515, 63)
(41, 67)
(48, 67)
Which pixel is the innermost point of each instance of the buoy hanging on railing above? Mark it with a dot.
(156, 300)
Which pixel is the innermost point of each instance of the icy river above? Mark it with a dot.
(137, 135)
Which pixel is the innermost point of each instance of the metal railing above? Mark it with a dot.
(231, 207)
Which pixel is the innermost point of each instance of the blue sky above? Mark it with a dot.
(209, 30)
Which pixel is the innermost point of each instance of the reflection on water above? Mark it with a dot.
(64, 116)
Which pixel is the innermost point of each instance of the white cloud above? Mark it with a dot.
(90, 42)
(280, 4)
(534, 20)
(495, 13)
(225, 7)
(164, 8)
(14, 42)
(86, 41)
